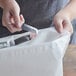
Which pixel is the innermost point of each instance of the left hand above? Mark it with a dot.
(62, 21)
(12, 19)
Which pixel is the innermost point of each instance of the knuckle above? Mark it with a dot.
(19, 30)
(4, 24)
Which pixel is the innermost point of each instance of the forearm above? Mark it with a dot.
(70, 9)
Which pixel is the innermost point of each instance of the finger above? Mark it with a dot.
(6, 19)
(22, 20)
(67, 25)
(12, 20)
(12, 29)
(32, 35)
(58, 25)
(13, 25)
(16, 19)
(9, 29)
(9, 22)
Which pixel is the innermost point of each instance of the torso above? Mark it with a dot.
(39, 13)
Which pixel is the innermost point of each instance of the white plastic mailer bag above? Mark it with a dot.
(41, 56)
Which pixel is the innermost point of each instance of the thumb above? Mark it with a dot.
(68, 26)
(58, 25)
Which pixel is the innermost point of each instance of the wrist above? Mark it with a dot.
(66, 13)
(4, 3)
(70, 9)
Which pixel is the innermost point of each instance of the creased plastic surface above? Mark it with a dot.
(41, 56)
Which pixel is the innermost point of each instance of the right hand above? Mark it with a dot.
(62, 22)
(11, 18)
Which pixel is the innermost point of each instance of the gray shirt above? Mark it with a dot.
(38, 13)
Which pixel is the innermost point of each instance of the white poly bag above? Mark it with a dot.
(41, 56)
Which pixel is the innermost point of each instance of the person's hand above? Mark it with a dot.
(62, 21)
(11, 18)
